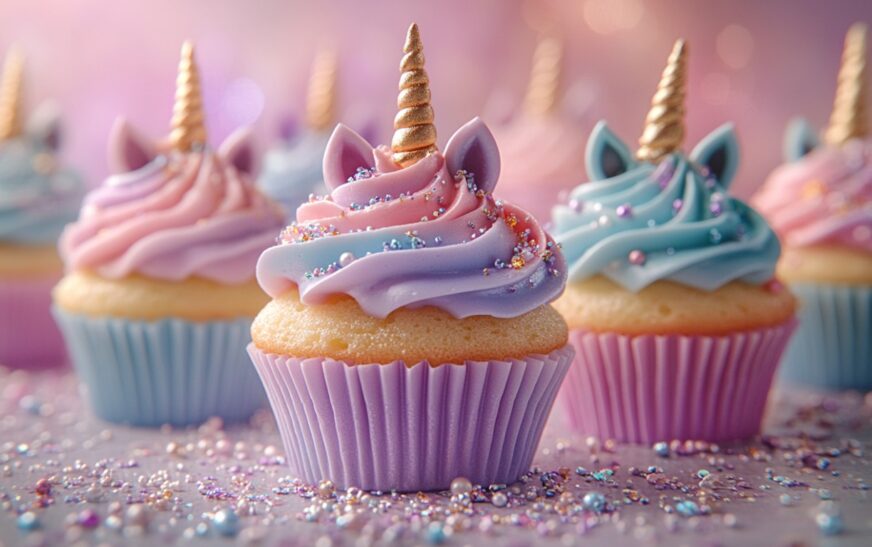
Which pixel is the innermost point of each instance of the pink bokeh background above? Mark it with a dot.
(754, 63)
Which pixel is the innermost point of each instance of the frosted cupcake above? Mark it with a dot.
(409, 340)
(38, 196)
(541, 148)
(292, 171)
(160, 292)
(820, 203)
(677, 323)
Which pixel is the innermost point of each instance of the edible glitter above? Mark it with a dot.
(637, 257)
(624, 211)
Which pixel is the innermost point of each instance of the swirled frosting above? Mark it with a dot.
(37, 196)
(542, 160)
(180, 215)
(292, 171)
(430, 234)
(672, 221)
(823, 198)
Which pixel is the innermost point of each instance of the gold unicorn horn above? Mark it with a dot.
(188, 127)
(10, 95)
(664, 125)
(321, 99)
(414, 132)
(542, 93)
(849, 119)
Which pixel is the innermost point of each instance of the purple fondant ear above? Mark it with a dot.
(44, 126)
(128, 149)
(238, 150)
(473, 148)
(345, 152)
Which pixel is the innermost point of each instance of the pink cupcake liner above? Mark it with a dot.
(409, 428)
(29, 337)
(644, 389)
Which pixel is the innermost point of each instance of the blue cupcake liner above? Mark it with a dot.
(832, 348)
(172, 371)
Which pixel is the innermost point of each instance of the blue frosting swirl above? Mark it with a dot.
(673, 221)
(293, 170)
(37, 197)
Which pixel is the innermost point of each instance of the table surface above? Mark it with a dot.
(66, 477)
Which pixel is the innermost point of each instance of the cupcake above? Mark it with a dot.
(676, 319)
(292, 171)
(541, 148)
(409, 340)
(820, 203)
(160, 290)
(38, 196)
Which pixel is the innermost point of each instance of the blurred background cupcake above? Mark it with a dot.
(542, 147)
(820, 203)
(291, 170)
(160, 292)
(410, 339)
(677, 322)
(38, 196)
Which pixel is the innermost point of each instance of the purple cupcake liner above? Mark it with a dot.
(645, 389)
(410, 428)
(29, 337)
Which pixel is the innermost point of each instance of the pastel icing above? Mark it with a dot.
(38, 196)
(823, 194)
(542, 159)
(172, 215)
(430, 234)
(292, 170)
(637, 223)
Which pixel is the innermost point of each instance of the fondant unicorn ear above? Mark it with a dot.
(345, 152)
(799, 139)
(606, 156)
(719, 153)
(128, 149)
(238, 150)
(473, 148)
(44, 126)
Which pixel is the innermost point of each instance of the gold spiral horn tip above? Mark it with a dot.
(188, 125)
(849, 118)
(11, 124)
(545, 77)
(664, 125)
(321, 97)
(414, 132)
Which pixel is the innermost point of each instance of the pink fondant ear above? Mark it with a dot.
(128, 149)
(238, 150)
(473, 148)
(345, 152)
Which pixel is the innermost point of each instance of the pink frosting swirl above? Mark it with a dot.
(180, 215)
(823, 198)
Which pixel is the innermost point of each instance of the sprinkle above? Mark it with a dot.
(226, 522)
(637, 257)
(28, 521)
(594, 501)
(677, 204)
(460, 485)
(499, 500)
(687, 508)
(661, 449)
(715, 236)
(518, 262)
(346, 258)
(576, 205)
(624, 211)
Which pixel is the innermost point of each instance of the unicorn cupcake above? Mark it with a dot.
(292, 171)
(820, 203)
(160, 292)
(671, 303)
(541, 144)
(38, 196)
(409, 340)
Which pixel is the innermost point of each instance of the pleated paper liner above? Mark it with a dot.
(832, 348)
(644, 389)
(151, 373)
(29, 337)
(409, 428)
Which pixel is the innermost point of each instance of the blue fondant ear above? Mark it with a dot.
(799, 139)
(719, 153)
(606, 156)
